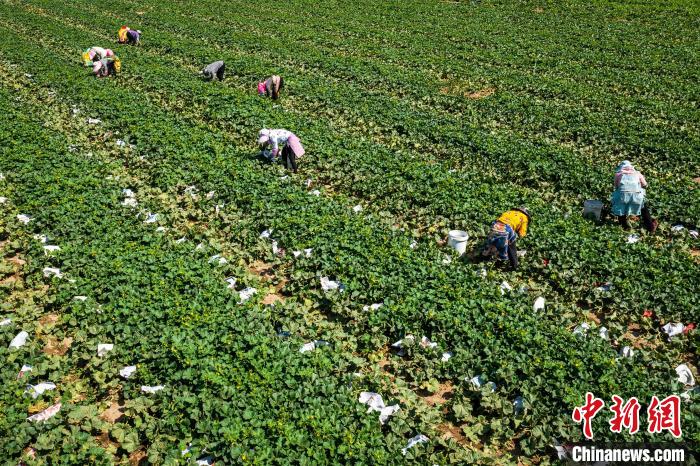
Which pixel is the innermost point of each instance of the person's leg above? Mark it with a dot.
(649, 223)
(623, 221)
(293, 160)
(220, 72)
(513, 255)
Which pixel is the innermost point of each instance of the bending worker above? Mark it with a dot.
(95, 54)
(108, 66)
(504, 233)
(629, 196)
(290, 152)
(271, 87)
(129, 36)
(218, 68)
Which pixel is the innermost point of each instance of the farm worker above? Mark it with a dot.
(215, 69)
(504, 233)
(291, 151)
(122, 34)
(628, 197)
(129, 36)
(271, 86)
(95, 53)
(106, 67)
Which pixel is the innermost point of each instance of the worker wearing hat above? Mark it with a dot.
(504, 233)
(291, 151)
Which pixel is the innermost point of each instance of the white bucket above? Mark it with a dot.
(458, 241)
(592, 208)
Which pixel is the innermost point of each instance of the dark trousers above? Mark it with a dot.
(513, 255)
(647, 221)
(289, 158)
(220, 72)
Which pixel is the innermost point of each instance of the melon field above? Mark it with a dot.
(168, 296)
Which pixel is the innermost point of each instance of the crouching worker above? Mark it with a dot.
(271, 87)
(129, 36)
(291, 151)
(218, 68)
(106, 67)
(629, 197)
(95, 54)
(503, 235)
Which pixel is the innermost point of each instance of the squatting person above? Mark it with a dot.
(271, 87)
(629, 197)
(218, 68)
(504, 234)
(291, 151)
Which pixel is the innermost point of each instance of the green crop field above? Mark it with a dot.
(249, 308)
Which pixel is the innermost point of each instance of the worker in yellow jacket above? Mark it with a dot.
(504, 233)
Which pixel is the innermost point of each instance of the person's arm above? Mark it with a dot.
(275, 145)
(618, 177)
(523, 228)
(642, 180)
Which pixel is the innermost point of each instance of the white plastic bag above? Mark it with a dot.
(312, 345)
(407, 339)
(627, 352)
(246, 294)
(673, 329)
(80, 298)
(104, 348)
(216, 258)
(49, 271)
(631, 239)
(266, 233)
(25, 368)
(46, 414)
(127, 371)
(19, 340)
(4, 322)
(307, 252)
(685, 376)
(330, 285)
(375, 403)
(582, 330)
(41, 238)
(505, 286)
(151, 389)
(152, 218)
(603, 333)
(539, 304)
(231, 282)
(420, 438)
(94, 121)
(49, 249)
(37, 390)
(372, 307)
(446, 356)
(316, 192)
(357, 208)
(677, 228)
(24, 218)
(426, 343)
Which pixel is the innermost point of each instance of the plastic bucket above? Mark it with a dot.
(457, 239)
(592, 209)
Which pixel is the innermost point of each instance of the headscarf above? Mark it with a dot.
(625, 165)
(263, 136)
